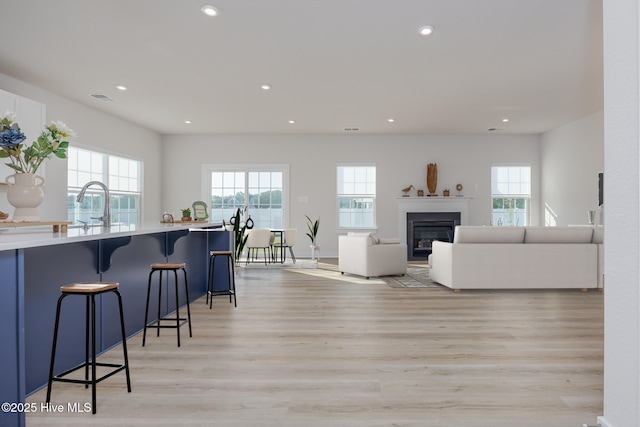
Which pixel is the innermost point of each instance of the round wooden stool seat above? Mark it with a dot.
(168, 266)
(228, 253)
(89, 287)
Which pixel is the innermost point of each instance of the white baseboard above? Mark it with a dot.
(603, 422)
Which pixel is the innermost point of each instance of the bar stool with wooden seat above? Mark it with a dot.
(89, 290)
(231, 288)
(173, 322)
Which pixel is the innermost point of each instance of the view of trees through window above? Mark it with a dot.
(511, 195)
(258, 195)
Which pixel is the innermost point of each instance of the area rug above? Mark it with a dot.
(416, 277)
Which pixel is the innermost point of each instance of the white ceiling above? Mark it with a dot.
(332, 64)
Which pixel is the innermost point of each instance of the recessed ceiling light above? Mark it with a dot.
(426, 31)
(209, 10)
(505, 120)
(292, 122)
(121, 87)
(391, 120)
(188, 122)
(265, 86)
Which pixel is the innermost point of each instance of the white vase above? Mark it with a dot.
(25, 195)
(315, 252)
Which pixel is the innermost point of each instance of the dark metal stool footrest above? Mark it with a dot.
(60, 378)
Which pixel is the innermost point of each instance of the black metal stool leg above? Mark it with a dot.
(186, 291)
(175, 277)
(86, 340)
(159, 302)
(124, 341)
(146, 310)
(93, 353)
(53, 347)
(211, 278)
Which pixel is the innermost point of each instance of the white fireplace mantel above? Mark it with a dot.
(430, 204)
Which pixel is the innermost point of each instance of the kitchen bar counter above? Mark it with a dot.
(35, 262)
(28, 237)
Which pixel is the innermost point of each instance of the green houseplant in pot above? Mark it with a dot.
(313, 227)
(186, 214)
(239, 234)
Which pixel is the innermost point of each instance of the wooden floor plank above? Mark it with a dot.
(316, 351)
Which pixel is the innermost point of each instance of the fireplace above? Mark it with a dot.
(425, 227)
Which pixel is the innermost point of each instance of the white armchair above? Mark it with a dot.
(366, 255)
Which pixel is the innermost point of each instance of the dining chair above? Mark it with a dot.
(258, 238)
(289, 240)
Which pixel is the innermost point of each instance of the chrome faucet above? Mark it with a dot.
(106, 216)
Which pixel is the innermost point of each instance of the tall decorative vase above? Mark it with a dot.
(432, 178)
(25, 195)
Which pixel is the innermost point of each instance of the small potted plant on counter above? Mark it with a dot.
(186, 214)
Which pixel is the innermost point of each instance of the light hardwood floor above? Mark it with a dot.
(309, 350)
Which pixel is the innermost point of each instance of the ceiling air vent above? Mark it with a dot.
(101, 97)
(351, 129)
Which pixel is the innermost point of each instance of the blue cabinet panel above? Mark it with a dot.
(12, 388)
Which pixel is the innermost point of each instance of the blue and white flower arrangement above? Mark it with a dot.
(52, 141)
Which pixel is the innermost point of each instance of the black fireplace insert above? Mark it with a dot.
(425, 227)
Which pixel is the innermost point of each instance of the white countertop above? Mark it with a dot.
(30, 237)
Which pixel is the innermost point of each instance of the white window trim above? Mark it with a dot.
(117, 154)
(529, 197)
(342, 230)
(205, 191)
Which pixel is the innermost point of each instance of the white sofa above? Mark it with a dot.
(520, 257)
(366, 255)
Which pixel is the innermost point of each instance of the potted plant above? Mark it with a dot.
(313, 227)
(186, 214)
(239, 234)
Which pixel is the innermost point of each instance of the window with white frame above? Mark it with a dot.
(356, 195)
(510, 195)
(121, 175)
(260, 192)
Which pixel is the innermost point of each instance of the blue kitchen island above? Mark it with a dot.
(35, 262)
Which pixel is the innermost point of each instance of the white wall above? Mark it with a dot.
(401, 160)
(571, 158)
(95, 130)
(622, 188)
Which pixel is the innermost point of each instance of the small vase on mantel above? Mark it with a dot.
(25, 195)
(432, 178)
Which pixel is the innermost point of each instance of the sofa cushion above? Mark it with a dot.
(388, 240)
(558, 234)
(482, 234)
(373, 240)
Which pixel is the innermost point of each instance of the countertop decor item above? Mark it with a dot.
(445, 192)
(200, 210)
(459, 188)
(25, 192)
(186, 214)
(432, 178)
(52, 141)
